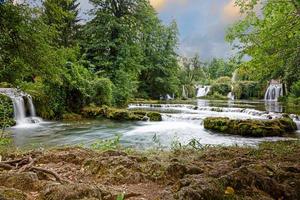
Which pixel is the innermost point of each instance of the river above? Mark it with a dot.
(181, 123)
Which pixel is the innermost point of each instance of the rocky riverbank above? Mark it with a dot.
(271, 171)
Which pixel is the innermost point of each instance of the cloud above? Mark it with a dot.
(160, 4)
(231, 12)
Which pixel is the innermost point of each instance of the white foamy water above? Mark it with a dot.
(18, 98)
(181, 123)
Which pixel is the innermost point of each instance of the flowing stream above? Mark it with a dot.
(181, 123)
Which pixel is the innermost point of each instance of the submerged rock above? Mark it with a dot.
(250, 127)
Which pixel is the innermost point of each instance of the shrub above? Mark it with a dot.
(103, 91)
(295, 89)
(6, 112)
(247, 89)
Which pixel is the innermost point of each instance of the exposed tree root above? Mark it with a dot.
(27, 164)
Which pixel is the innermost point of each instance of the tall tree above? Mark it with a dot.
(63, 16)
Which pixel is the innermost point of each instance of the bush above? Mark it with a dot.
(247, 89)
(103, 91)
(124, 88)
(221, 86)
(6, 112)
(295, 89)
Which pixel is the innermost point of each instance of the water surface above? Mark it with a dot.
(181, 123)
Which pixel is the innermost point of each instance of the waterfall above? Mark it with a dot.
(230, 96)
(273, 92)
(31, 106)
(21, 103)
(202, 90)
(184, 95)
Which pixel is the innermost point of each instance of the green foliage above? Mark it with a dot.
(271, 38)
(247, 90)
(219, 68)
(4, 143)
(6, 113)
(120, 197)
(110, 144)
(62, 16)
(221, 86)
(295, 89)
(102, 87)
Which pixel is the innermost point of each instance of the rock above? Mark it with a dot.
(71, 192)
(154, 116)
(176, 170)
(259, 177)
(253, 128)
(198, 187)
(24, 181)
(11, 194)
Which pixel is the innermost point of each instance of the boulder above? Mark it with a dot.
(250, 127)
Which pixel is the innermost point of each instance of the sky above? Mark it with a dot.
(202, 24)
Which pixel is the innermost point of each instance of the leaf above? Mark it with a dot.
(229, 191)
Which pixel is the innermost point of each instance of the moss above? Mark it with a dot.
(154, 116)
(11, 193)
(119, 114)
(253, 128)
(122, 114)
(72, 116)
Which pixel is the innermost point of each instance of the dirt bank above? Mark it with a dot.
(270, 172)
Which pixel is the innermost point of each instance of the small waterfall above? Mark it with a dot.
(184, 94)
(31, 106)
(21, 103)
(274, 91)
(230, 96)
(202, 90)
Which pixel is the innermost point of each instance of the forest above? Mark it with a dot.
(66, 62)
(103, 104)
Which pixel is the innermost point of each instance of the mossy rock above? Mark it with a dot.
(154, 116)
(119, 114)
(122, 115)
(72, 191)
(11, 194)
(249, 127)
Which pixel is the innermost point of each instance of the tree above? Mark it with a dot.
(271, 38)
(62, 15)
(126, 42)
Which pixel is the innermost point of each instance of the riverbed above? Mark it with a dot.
(181, 123)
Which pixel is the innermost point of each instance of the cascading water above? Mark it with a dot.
(18, 99)
(203, 90)
(184, 94)
(274, 91)
(230, 95)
